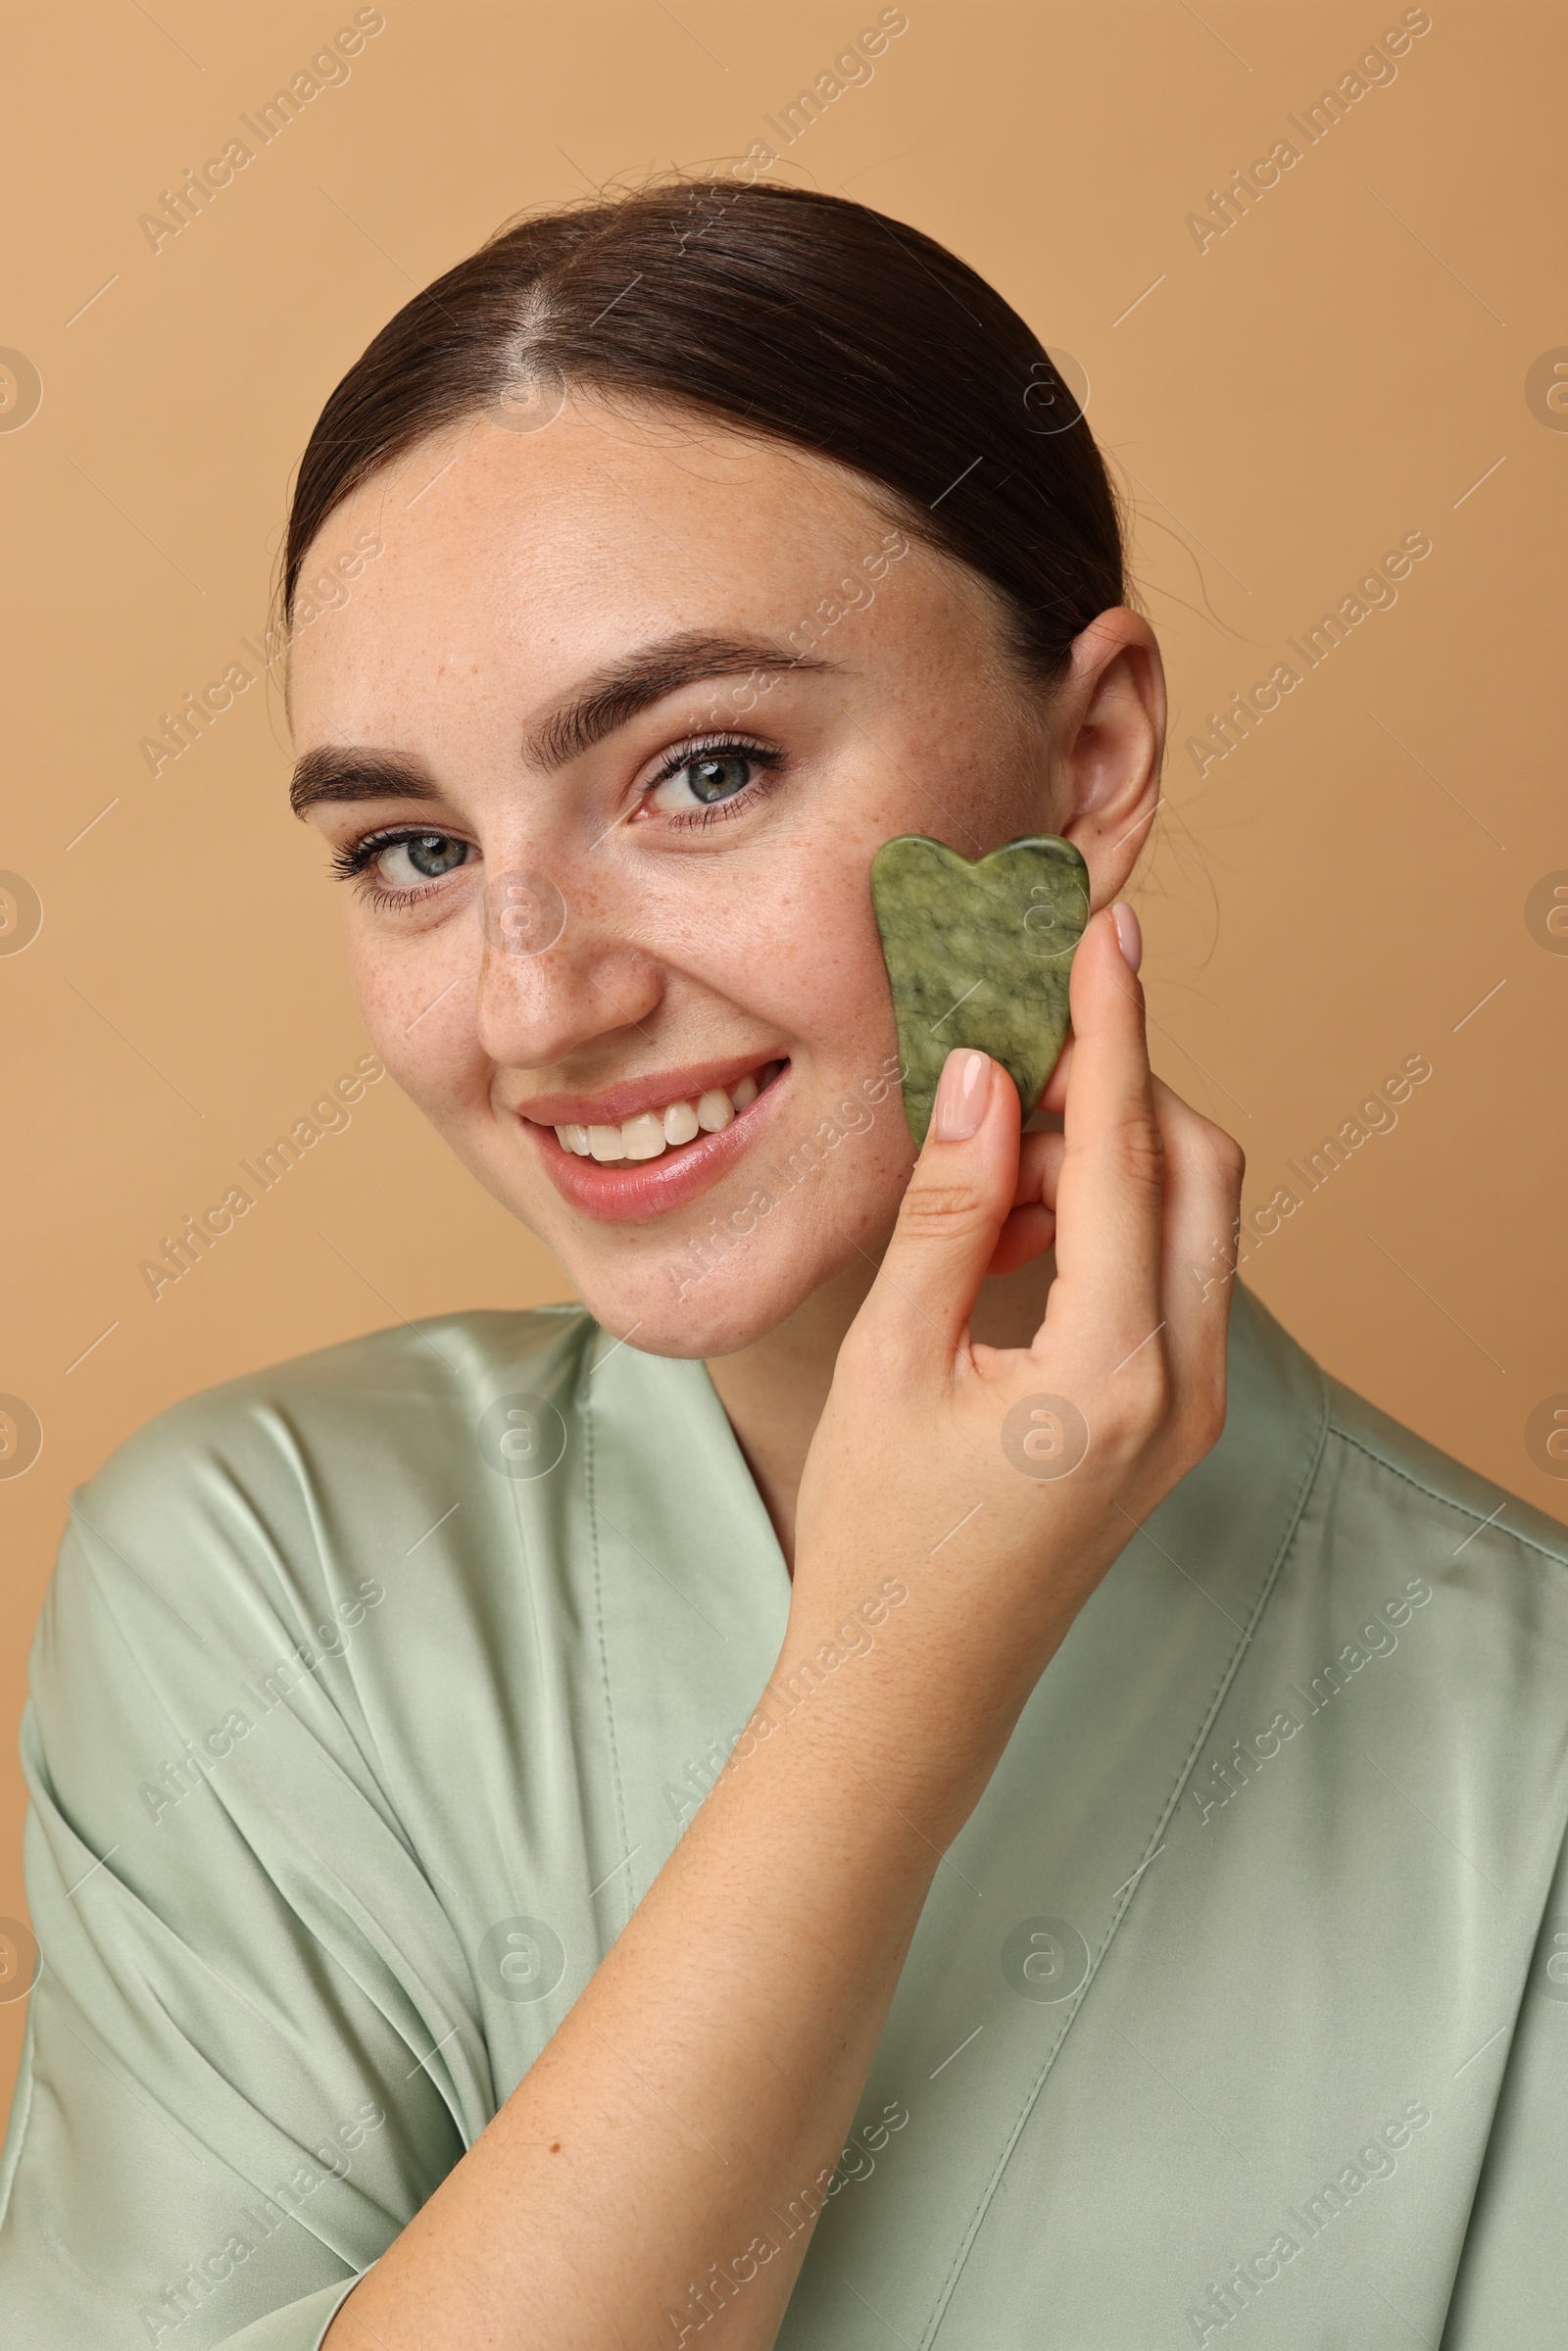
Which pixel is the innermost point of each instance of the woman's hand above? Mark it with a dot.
(999, 1483)
(705, 2079)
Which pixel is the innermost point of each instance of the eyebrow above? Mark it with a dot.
(333, 772)
(596, 707)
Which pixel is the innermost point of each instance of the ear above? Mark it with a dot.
(1108, 733)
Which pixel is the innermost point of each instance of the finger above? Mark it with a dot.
(1030, 1228)
(957, 1199)
(1104, 1303)
(1199, 1218)
(1026, 1234)
(1130, 936)
(1039, 1169)
(1054, 1096)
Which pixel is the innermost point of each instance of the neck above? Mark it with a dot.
(773, 1392)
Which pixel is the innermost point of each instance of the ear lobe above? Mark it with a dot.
(1110, 850)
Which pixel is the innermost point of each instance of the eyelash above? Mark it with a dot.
(761, 754)
(352, 862)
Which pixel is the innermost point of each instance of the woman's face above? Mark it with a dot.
(606, 836)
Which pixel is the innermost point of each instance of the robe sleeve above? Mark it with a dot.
(252, 2048)
(1509, 2286)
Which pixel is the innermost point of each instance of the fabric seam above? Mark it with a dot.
(1293, 1523)
(1465, 1510)
(586, 1411)
(1485, 2142)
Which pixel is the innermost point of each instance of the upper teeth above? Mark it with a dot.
(651, 1131)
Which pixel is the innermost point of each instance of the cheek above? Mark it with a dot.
(803, 953)
(791, 936)
(417, 997)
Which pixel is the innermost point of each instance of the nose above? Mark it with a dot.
(560, 972)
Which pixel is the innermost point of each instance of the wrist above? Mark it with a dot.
(883, 1705)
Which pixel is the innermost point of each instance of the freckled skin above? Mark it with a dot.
(536, 559)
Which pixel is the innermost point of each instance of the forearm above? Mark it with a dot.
(691, 2108)
(705, 2080)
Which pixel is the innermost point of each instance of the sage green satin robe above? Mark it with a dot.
(370, 1696)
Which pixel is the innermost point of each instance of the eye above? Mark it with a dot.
(710, 776)
(402, 866)
(431, 854)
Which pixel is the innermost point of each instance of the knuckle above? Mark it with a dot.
(1200, 1418)
(1138, 1155)
(1210, 1149)
(1206, 1417)
(1138, 1401)
(1230, 1160)
(1152, 1397)
(939, 1211)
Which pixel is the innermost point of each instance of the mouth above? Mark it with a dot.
(652, 1146)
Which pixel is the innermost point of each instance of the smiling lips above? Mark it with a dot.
(660, 1154)
(651, 1133)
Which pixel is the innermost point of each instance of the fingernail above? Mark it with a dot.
(962, 1093)
(1129, 937)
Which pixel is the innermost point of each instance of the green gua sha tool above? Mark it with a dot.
(978, 954)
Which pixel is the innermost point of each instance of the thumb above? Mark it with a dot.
(960, 1195)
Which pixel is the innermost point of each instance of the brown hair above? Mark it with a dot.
(804, 317)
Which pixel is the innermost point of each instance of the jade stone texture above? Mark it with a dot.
(978, 954)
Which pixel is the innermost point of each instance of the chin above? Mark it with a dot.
(720, 1270)
(690, 1297)
(672, 1308)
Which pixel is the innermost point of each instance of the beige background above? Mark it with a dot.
(1350, 362)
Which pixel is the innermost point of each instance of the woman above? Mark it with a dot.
(557, 1829)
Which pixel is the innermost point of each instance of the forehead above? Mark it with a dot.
(516, 560)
